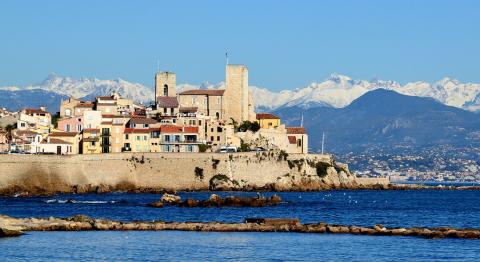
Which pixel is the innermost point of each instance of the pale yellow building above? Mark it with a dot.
(266, 120)
(91, 141)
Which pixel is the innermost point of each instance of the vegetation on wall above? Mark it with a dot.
(248, 126)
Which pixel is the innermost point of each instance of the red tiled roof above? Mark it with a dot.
(142, 120)
(296, 130)
(208, 92)
(91, 130)
(188, 109)
(55, 141)
(178, 129)
(136, 131)
(267, 116)
(63, 134)
(167, 101)
(292, 139)
(25, 133)
(108, 115)
(85, 104)
(34, 111)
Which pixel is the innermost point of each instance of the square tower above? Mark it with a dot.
(236, 93)
(165, 84)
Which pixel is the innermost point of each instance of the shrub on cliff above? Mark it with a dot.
(321, 168)
(199, 173)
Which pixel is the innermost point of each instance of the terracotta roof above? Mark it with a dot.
(91, 139)
(208, 92)
(292, 139)
(188, 109)
(63, 134)
(34, 111)
(108, 115)
(91, 130)
(296, 130)
(85, 104)
(142, 120)
(267, 116)
(25, 133)
(178, 129)
(136, 131)
(55, 141)
(167, 101)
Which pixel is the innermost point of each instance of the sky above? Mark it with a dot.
(285, 44)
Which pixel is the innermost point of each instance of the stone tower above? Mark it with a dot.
(236, 93)
(165, 84)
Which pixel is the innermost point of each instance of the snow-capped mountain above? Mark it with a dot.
(89, 87)
(337, 91)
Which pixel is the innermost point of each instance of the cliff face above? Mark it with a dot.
(41, 174)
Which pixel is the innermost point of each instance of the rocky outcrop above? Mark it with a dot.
(84, 223)
(217, 201)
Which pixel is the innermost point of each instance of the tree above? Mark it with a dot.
(9, 129)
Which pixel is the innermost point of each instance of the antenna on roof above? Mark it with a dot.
(301, 121)
(323, 141)
(226, 57)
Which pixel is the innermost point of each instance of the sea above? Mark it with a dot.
(391, 208)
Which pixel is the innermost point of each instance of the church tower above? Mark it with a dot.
(165, 84)
(236, 93)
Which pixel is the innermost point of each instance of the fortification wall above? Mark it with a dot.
(171, 171)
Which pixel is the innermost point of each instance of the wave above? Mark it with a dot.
(73, 201)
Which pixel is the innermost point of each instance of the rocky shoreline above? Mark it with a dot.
(17, 226)
(17, 192)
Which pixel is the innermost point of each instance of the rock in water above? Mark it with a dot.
(9, 232)
(170, 199)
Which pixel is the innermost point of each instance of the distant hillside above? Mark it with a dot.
(388, 119)
(30, 98)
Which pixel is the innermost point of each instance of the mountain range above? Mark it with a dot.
(337, 91)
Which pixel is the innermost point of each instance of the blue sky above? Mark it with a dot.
(286, 44)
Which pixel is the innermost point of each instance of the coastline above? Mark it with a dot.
(31, 175)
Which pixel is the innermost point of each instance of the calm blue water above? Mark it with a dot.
(391, 208)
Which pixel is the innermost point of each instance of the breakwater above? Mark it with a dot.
(15, 227)
(145, 172)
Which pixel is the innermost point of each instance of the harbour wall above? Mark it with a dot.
(45, 174)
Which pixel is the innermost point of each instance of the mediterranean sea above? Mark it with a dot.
(408, 208)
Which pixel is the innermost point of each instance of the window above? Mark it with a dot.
(165, 90)
(218, 138)
(22, 124)
(138, 138)
(211, 129)
(190, 148)
(211, 138)
(79, 128)
(126, 136)
(67, 127)
(217, 115)
(219, 129)
(299, 142)
(144, 138)
(167, 138)
(199, 122)
(68, 112)
(93, 143)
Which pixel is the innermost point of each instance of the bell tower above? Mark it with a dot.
(165, 84)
